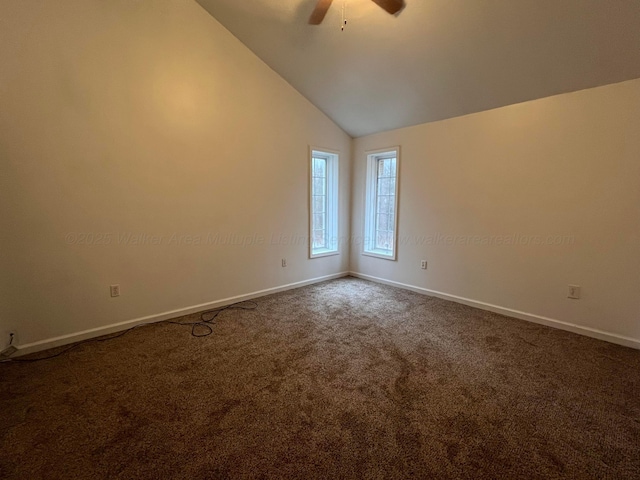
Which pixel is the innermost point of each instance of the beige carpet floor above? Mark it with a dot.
(339, 380)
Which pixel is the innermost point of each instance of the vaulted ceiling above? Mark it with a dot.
(437, 59)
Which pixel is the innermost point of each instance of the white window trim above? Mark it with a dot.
(333, 206)
(369, 200)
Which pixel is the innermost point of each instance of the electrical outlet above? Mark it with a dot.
(115, 290)
(423, 264)
(284, 262)
(574, 291)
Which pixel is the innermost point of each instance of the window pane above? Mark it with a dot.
(384, 204)
(382, 222)
(323, 203)
(318, 222)
(383, 240)
(387, 168)
(318, 186)
(319, 239)
(380, 204)
(318, 204)
(319, 167)
(383, 186)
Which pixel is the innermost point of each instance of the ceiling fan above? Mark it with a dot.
(390, 6)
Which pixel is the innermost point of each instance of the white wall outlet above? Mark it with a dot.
(574, 291)
(284, 262)
(423, 264)
(115, 290)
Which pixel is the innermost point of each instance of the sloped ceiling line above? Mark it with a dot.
(437, 59)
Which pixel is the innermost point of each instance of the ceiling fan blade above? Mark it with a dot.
(391, 6)
(320, 11)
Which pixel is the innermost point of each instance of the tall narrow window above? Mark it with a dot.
(381, 204)
(323, 221)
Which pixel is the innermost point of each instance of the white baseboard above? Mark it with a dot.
(530, 317)
(117, 327)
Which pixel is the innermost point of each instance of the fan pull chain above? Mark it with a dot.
(344, 15)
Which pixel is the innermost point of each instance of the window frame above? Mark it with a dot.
(371, 203)
(332, 185)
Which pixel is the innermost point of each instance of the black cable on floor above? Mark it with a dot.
(205, 325)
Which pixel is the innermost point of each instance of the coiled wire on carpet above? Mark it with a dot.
(199, 328)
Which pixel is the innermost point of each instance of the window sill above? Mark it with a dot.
(379, 254)
(324, 253)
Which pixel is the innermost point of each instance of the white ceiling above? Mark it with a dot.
(437, 58)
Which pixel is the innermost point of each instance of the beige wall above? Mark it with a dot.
(147, 121)
(146, 118)
(564, 166)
